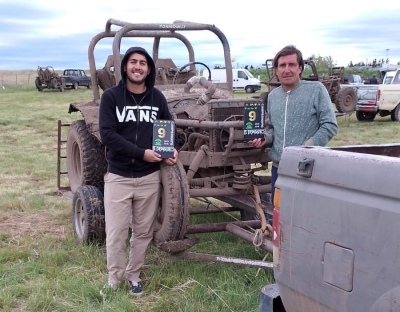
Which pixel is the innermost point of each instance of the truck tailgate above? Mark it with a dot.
(340, 228)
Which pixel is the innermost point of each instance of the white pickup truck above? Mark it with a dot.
(382, 99)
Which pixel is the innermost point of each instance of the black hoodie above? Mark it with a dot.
(126, 128)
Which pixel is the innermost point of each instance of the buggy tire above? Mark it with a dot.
(88, 215)
(86, 164)
(173, 217)
(38, 85)
(346, 100)
(365, 116)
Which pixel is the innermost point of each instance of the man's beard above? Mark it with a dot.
(136, 82)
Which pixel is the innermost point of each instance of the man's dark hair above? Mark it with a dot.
(289, 50)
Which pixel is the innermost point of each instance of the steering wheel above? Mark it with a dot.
(188, 64)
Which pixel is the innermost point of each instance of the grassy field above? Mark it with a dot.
(42, 268)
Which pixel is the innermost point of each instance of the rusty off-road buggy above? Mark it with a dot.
(216, 166)
(47, 78)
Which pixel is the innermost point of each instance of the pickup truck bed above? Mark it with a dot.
(383, 99)
(337, 246)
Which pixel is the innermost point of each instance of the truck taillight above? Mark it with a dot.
(276, 229)
(378, 95)
(277, 198)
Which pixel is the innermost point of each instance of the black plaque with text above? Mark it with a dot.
(254, 121)
(163, 138)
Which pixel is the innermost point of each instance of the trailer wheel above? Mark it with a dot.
(86, 164)
(365, 116)
(346, 100)
(88, 215)
(173, 217)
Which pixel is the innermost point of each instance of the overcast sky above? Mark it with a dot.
(53, 33)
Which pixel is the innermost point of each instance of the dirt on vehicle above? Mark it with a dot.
(215, 165)
(343, 96)
(47, 78)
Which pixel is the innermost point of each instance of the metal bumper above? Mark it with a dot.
(366, 106)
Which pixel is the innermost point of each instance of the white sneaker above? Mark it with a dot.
(108, 289)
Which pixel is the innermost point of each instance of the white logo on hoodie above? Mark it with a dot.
(146, 113)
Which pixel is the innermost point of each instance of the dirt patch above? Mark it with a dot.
(31, 225)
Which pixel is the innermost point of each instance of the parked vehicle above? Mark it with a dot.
(382, 100)
(352, 79)
(214, 162)
(335, 229)
(76, 77)
(242, 79)
(389, 77)
(47, 78)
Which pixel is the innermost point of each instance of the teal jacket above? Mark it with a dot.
(303, 116)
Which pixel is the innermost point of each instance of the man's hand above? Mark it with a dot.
(151, 156)
(257, 143)
(172, 161)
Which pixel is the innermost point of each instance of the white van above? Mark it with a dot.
(242, 79)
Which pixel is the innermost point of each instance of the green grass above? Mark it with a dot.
(42, 268)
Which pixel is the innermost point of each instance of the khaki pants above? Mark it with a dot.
(129, 202)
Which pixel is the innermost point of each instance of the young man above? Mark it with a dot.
(132, 183)
(299, 112)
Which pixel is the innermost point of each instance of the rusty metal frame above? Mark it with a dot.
(239, 229)
(60, 156)
(242, 199)
(156, 31)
